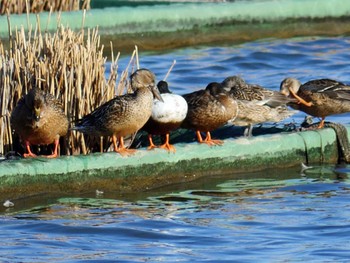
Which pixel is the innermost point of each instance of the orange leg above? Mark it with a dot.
(300, 100)
(321, 125)
(151, 144)
(208, 140)
(121, 149)
(30, 153)
(55, 152)
(167, 145)
(199, 137)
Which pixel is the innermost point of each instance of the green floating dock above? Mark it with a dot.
(185, 24)
(151, 169)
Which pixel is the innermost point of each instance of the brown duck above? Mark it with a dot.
(124, 114)
(241, 90)
(38, 119)
(319, 98)
(256, 104)
(208, 110)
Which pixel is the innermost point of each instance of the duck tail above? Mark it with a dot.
(80, 125)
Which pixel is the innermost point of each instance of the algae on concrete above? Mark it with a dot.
(151, 169)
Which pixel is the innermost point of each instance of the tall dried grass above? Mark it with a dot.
(70, 65)
(35, 6)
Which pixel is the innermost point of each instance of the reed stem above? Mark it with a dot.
(71, 66)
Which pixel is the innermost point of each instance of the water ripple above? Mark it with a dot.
(282, 217)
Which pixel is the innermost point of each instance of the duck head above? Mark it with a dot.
(163, 87)
(233, 82)
(145, 78)
(289, 84)
(37, 111)
(35, 101)
(215, 89)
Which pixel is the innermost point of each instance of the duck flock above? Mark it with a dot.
(39, 119)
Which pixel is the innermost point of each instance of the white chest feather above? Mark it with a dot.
(173, 109)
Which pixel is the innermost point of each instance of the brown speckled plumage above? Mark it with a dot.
(256, 104)
(38, 119)
(319, 98)
(251, 113)
(241, 90)
(124, 114)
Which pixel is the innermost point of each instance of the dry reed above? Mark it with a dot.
(71, 66)
(35, 6)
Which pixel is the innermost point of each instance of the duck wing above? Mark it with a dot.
(321, 85)
(253, 92)
(271, 98)
(331, 88)
(21, 114)
(241, 90)
(193, 97)
(111, 111)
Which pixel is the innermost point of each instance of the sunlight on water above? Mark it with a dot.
(269, 216)
(265, 63)
(293, 218)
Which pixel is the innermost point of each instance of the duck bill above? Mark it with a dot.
(284, 92)
(156, 94)
(37, 114)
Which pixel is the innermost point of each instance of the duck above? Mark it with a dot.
(125, 114)
(241, 90)
(256, 104)
(39, 119)
(209, 109)
(166, 116)
(319, 97)
(251, 113)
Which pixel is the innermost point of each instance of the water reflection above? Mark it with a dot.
(203, 191)
(274, 215)
(282, 214)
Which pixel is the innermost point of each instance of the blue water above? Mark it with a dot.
(265, 62)
(269, 216)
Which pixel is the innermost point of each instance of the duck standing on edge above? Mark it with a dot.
(208, 110)
(166, 116)
(319, 98)
(256, 104)
(39, 119)
(123, 115)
